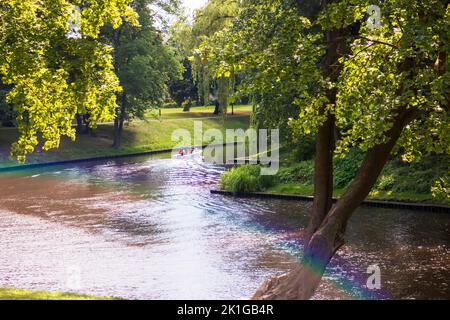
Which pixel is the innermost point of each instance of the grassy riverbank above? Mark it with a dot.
(308, 190)
(20, 294)
(399, 181)
(139, 136)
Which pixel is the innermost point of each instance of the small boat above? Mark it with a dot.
(188, 153)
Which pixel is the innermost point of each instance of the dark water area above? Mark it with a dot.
(148, 228)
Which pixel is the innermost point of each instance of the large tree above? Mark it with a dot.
(210, 20)
(184, 89)
(54, 71)
(143, 63)
(381, 84)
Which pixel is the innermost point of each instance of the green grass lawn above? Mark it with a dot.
(138, 136)
(198, 112)
(19, 294)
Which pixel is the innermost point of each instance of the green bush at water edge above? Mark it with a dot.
(246, 178)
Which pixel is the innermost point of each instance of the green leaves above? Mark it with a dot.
(52, 75)
(144, 63)
(390, 68)
(402, 64)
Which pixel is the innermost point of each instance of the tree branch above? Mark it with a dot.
(379, 42)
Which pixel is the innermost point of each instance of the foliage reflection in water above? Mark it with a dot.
(149, 228)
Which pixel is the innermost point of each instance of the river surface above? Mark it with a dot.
(148, 228)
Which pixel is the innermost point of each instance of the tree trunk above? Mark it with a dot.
(119, 121)
(117, 133)
(79, 119)
(87, 129)
(302, 282)
(325, 140)
(323, 177)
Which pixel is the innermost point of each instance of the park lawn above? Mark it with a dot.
(20, 294)
(139, 136)
(198, 112)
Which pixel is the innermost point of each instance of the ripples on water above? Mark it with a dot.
(149, 228)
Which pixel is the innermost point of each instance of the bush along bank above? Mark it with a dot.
(246, 178)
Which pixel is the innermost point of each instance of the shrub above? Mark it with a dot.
(385, 182)
(246, 178)
(345, 168)
(416, 177)
(302, 172)
(304, 149)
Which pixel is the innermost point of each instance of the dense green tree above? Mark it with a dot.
(7, 114)
(184, 89)
(56, 72)
(214, 17)
(377, 83)
(143, 63)
(181, 36)
(182, 40)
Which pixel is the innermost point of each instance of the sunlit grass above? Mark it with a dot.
(308, 190)
(139, 136)
(197, 112)
(20, 294)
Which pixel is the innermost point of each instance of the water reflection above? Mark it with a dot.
(149, 228)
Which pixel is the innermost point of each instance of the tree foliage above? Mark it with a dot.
(143, 61)
(210, 23)
(54, 76)
(402, 64)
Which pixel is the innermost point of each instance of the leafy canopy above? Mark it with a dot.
(400, 65)
(53, 75)
(281, 52)
(143, 61)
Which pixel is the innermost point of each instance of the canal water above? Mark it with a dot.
(148, 228)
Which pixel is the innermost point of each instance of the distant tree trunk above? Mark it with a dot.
(119, 121)
(188, 106)
(87, 129)
(123, 113)
(216, 108)
(117, 135)
(79, 119)
(120, 97)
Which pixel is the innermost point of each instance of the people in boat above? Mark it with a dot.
(192, 151)
(181, 152)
